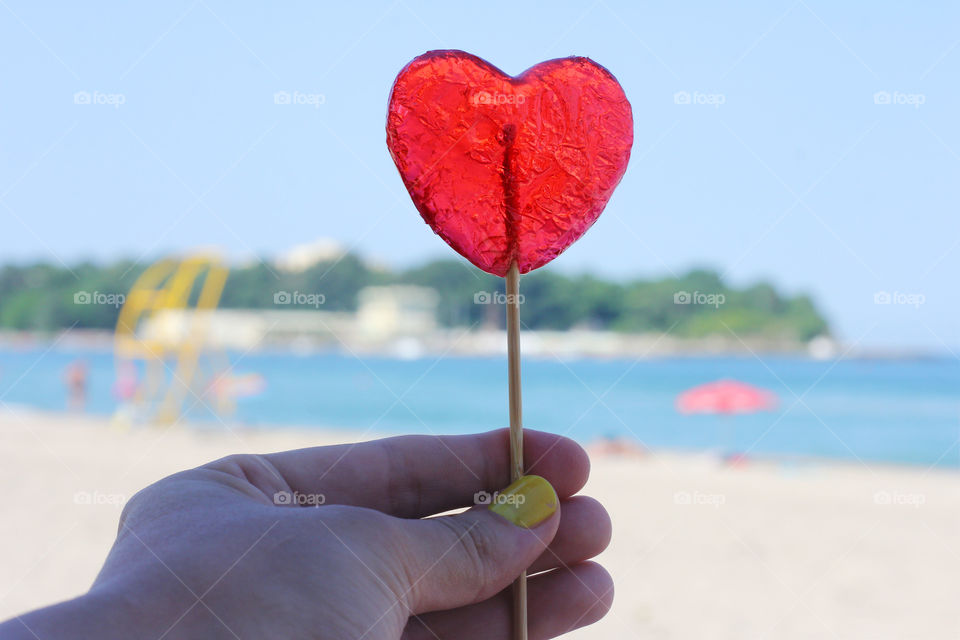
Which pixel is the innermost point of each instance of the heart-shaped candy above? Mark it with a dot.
(508, 169)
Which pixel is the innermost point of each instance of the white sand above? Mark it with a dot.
(813, 551)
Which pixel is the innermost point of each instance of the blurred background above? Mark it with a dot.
(206, 248)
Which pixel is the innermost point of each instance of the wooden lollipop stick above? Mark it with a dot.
(516, 430)
(513, 365)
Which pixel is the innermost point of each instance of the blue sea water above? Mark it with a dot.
(901, 411)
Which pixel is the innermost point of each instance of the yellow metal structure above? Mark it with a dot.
(171, 365)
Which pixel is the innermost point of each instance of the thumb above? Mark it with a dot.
(453, 561)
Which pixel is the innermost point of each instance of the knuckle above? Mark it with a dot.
(476, 546)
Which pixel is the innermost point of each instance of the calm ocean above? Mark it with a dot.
(903, 411)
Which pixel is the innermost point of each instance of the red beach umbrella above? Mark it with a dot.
(726, 397)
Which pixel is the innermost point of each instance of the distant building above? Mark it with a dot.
(384, 315)
(394, 311)
(303, 256)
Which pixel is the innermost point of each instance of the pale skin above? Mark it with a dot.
(207, 553)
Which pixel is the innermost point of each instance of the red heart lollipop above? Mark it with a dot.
(508, 169)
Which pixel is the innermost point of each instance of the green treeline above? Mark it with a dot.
(46, 297)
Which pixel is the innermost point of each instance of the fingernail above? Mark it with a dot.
(527, 502)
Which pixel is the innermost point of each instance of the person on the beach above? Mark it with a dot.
(337, 543)
(75, 378)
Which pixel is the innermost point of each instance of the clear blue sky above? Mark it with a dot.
(799, 177)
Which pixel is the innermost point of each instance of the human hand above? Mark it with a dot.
(208, 553)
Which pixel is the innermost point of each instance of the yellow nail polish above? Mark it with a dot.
(526, 503)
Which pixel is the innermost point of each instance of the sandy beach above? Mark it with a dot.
(766, 550)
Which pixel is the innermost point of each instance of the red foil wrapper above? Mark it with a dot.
(508, 169)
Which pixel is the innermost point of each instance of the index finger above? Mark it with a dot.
(417, 476)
